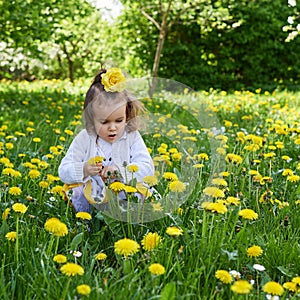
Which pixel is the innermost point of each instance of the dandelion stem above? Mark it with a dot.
(50, 245)
(56, 246)
(17, 240)
(66, 289)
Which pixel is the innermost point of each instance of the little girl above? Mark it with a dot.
(111, 133)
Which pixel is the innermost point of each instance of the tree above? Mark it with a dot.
(165, 14)
(25, 25)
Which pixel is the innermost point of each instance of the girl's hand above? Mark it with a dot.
(109, 171)
(91, 169)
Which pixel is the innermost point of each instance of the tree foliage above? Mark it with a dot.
(222, 44)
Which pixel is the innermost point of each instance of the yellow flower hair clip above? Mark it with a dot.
(113, 80)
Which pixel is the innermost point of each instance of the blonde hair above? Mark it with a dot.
(96, 94)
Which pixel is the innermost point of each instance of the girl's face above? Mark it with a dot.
(110, 120)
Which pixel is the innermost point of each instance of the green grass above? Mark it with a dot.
(210, 241)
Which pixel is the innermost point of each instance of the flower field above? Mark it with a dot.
(227, 225)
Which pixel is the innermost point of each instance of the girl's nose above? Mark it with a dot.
(112, 126)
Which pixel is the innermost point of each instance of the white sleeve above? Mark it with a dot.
(139, 156)
(70, 169)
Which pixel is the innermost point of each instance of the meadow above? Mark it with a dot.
(232, 231)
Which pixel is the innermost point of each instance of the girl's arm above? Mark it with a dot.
(139, 156)
(71, 168)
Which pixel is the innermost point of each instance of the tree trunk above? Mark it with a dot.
(160, 44)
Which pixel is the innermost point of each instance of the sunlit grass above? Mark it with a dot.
(252, 202)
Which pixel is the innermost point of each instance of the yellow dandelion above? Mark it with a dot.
(287, 172)
(198, 166)
(293, 178)
(132, 168)
(273, 288)
(253, 172)
(150, 180)
(95, 160)
(69, 132)
(170, 176)
(9, 146)
(233, 158)
(157, 206)
(296, 280)
(129, 189)
(57, 189)
(241, 287)
(214, 192)
(15, 191)
(72, 269)
(83, 289)
(202, 156)
(126, 247)
(101, 256)
(33, 174)
(5, 213)
(11, 236)
(224, 174)
(177, 186)
(221, 151)
(56, 227)
(224, 276)
(291, 286)
(19, 207)
(44, 184)
(60, 259)
(142, 189)
(254, 251)
(233, 200)
(150, 241)
(156, 269)
(174, 231)
(219, 181)
(36, 140)
(176, 156)
(269, 155)
(43, 165)
(83, 215)
(217, 207)
(117, 186)
(248, 214)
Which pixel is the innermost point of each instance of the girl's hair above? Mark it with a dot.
(97, 94)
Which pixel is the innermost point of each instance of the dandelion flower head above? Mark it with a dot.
(150, 241)
(56, 227)
(83, 215)
(156, 269)
(117, 186)
(174, 231)
(254, 251)
(19, 207)
(101, 256)
(177, 186)
(273, 288)
(126, 247)
(242, 287)
(248, 214)
(72, 269)
(132, 168)
(60, 258)
(224, 276)
(83, 289)
(11, 236)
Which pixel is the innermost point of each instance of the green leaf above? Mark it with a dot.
(168, 292)
(76, 240)
(284, 271)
